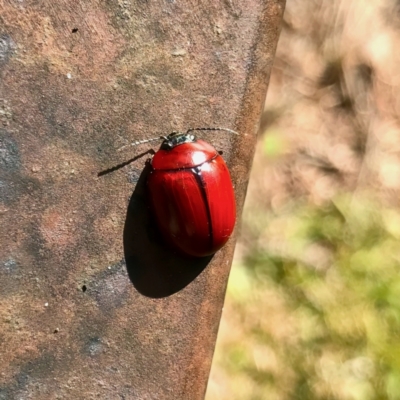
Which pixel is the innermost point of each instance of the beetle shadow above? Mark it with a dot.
(154, 269)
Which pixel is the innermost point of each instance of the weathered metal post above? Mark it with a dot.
(78, 80)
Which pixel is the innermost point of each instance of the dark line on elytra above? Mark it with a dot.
(199, 178)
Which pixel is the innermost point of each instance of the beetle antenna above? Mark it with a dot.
(212, 129)
(142, 141)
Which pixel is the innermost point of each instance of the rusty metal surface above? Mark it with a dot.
(77, 81)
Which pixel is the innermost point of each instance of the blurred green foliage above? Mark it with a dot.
(317, 298)
(273, 144)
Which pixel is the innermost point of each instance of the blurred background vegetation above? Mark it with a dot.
(313, 302)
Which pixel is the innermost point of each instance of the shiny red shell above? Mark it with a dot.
(192, 198)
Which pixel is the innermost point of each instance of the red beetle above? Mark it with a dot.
(191, 194)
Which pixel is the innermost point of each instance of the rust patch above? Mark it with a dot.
(75, 41)
(56, 229)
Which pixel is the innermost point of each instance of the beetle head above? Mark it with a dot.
(176, 138)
